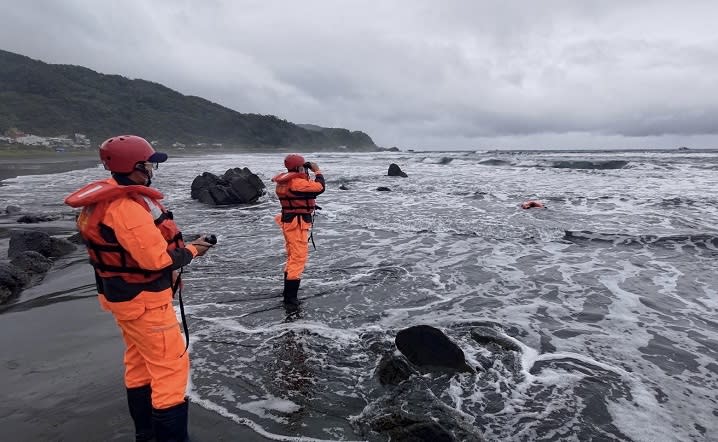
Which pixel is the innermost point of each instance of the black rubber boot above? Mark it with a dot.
(284, 292)
(171, 423)
(291, 286)
(139, 401)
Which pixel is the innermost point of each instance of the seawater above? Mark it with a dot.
(610, 291)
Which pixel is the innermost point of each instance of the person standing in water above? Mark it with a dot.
(297, 194)
(136, 250)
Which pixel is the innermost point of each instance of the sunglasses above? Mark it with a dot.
(147, 165)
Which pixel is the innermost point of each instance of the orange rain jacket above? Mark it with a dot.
(133, 243)
(297, 194)
(134, 246)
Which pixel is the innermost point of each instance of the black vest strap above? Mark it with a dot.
(124, 269)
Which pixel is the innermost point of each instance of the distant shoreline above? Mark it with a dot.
(21, 165)
(21, 162)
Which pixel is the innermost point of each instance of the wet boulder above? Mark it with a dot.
(12, 210)
(411, 412)
(424, 345)
(12, 280)
(236, 186)
(392, 370)
(33, 218)
(37, 241)
(405, 427)
(383, 189)
(395, 170)
(502, 350)
(31, 262)
(493, 340)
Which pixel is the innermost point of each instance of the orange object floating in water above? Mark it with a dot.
(532, 203)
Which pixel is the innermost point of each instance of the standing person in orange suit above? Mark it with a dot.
(297, 194)
(136, 250)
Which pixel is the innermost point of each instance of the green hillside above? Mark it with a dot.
(49, 100)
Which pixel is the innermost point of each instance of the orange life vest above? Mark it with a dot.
(110, 260)
(293, 203)
(532, 203)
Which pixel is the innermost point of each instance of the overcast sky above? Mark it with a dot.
(416, 74)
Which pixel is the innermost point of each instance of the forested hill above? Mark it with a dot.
(50, 99)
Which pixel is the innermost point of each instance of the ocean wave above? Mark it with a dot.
(559, 164)
(436, 160)
(700, 240)
(494, 162)
(585, 164)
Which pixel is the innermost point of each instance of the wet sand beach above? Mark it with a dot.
(61, 375)
(61, 370)
(14, 165)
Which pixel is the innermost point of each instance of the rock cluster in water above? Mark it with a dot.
(424, 345)
(395, 170)
(236, 186)
(407, 409)
(30, 253)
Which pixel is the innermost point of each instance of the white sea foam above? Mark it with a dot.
(610, 322)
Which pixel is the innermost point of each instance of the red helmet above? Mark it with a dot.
(120, 154)
(293, 161)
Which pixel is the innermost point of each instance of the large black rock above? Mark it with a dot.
(395, 170)
(33, 218)
(236, 186)
(37, 241)
(392, 370)
(406, 427)
(411, 412)
(31, 262)
(424, 345)
(12, 280)
(492, 339)
(12, 210)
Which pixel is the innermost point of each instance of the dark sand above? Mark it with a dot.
(61, 371)
(14, 166)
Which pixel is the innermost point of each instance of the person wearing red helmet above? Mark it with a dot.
(136, 250)
(297, 194)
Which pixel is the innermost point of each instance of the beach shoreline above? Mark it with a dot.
(62, 378)
(19, 164)
(16, 163)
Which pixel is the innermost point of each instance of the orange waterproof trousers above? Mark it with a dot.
(296, 237)
(154, 355)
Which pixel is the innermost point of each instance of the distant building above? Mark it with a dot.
(82, 140)
(77, 140)
(33, 140)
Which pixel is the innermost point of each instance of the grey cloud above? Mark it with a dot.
(409, 71)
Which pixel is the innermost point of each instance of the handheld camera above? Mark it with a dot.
(212, 239)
